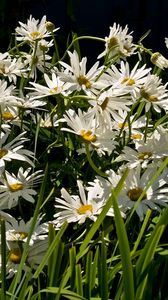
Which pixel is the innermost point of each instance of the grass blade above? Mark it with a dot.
(78, 278)
(94, 268)
(128, 279)
(147, 254)
(104, 279)
(50, 250)
(72, 260)
(88, 275)
(95, 227)
(3, 259)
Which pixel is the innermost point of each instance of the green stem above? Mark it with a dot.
(56, 55)
(94, 167)
(16, 47)
(84, 37)
(3, 255)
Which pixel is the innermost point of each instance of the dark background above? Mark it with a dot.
(90, 17)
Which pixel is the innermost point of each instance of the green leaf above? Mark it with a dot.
(72, 260)
(94, 268)
(147, 254)
(127, 270)
(88, 275)
(65, 293)
(103, 269)
(78, 278)
(50, 250)
(3, 258)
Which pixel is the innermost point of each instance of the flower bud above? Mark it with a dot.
(159, 60)
(50, 26)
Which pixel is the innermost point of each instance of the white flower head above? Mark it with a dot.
(46, 120)
(14, 251)
(159, 60)
(11, 67)
(126, 80)
(7, 94)
(106, 104)
(154, 93)
(19, 230)
(79, 78)
(36, 61)
(74, 208)
(14, 150)
(15, 186)
(119, 42)
(33, 31)
(154, 150)
(84, 125)
(134, 186)
(54, 87)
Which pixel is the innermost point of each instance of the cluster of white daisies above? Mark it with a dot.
(123, 117)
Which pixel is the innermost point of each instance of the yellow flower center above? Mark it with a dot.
(136, 136)
(16, 187)
(113, 42)
(155, 57)
(54, 90)
(36, 35)
(135, 193)
(35, 60)
(15, 255)
(128, 81)
(104, 103)
(88, 136)
(128, 49)
(150, 98)
(7, 115)
(2, 69)
(22, 234)
(84, 208)
(123, 125)
(144, 155)
(3, 152)
(83, 80)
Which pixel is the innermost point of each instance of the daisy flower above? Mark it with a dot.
(14, 251)
(44, 45)
(154, 93)
(54, 86)
(159, 60)
(47, 120)
(84, 126)
(105, 105)
(28, 102)
(153, 150)
(8, 114)
(76, 208)
(120, 123)
(11, 68)
(135, 184)
(126, 80)
(15, 186)
(119, 42)
(134, 157)
(35, 61)
(34, 30)
(77, 76)
(19, 230)
(14, 150)
(7, 96)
